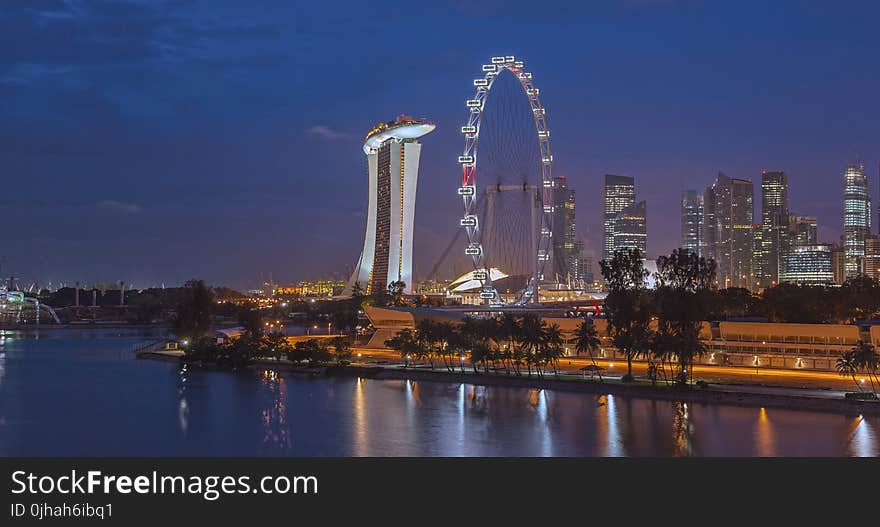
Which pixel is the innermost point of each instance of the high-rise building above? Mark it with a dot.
(630, 228)
(808, 265)
(567, 250)
(732, 230)
(757, 251)
(774, 227)
(587, 267)
(871, 262)
(692, 231)
(393, 152)
(838, 264)
(710, 224)
(856, 218)
(802, 230)
(618, 193)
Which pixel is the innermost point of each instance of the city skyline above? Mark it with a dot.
(215, 173)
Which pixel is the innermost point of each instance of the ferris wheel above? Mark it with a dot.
(515, 168)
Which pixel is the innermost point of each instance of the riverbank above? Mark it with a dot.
(739, 395)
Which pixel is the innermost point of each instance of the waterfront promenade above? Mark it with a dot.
(726, 385)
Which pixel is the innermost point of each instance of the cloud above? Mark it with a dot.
(328, 134)
(120, 207)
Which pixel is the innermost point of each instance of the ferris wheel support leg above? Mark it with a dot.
(535, 204)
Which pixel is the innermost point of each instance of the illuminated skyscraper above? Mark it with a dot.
(871, 263)
(802, 230)
(732, 230)
(774, 227)
(392, 151)
(856, 218)
(619, 193)
(630, 228)
(567, 251)
(692, 230)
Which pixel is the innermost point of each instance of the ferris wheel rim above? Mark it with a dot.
(468, 188)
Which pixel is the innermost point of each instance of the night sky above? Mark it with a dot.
(154, 142)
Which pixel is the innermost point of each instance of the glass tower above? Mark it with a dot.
(619, 193)
(856, 219)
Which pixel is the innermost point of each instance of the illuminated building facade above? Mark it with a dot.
(856, 219)
(871, 263)
(619, 192)
(393, 152)
(808, 265)
(692, 231)
(803, 230)
(731, 231)
(774, 227)
(567, 250)
(630, 228)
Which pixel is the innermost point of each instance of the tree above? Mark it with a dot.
(395, 293)
(531, 339)
(275, 345)
(551, 347)
(681, 277)
(627, 305)
(357, 291)
(406, 344)
(846, 365)
(341, 350)
(192, 317)
(476, 339)
(865, 358)
(426, 336)
(587, 340)
(251, 322)
(508, 331)
(861, 296)
(237, 353)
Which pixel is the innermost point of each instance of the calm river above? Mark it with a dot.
(81, 393)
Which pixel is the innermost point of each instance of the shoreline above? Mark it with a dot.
(793, 401)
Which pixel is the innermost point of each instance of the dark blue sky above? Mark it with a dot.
(153, 142)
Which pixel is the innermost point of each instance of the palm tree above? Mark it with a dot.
(404, 343)
(531, 338)
(865, 358)
(508, 330)
(587, 341)
(552, 346)
(426, 334)
(846, 365)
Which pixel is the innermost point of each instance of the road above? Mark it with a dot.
(733, 378)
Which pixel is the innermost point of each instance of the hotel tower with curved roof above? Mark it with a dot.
(393, 152)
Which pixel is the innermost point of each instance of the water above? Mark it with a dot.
(81, 393)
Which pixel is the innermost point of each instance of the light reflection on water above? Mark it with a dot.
(100, 401)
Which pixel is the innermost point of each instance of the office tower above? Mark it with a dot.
(774, 227)
(838, 264)
(803, 230)
(757, 252)
(630, 228)
(808, 265)
(618, 193)
(692, 231)
(710, 224)
(587, 267)
(856, 218)
(871, 262)
(392, 151)
(733, 230)
(566, 249)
